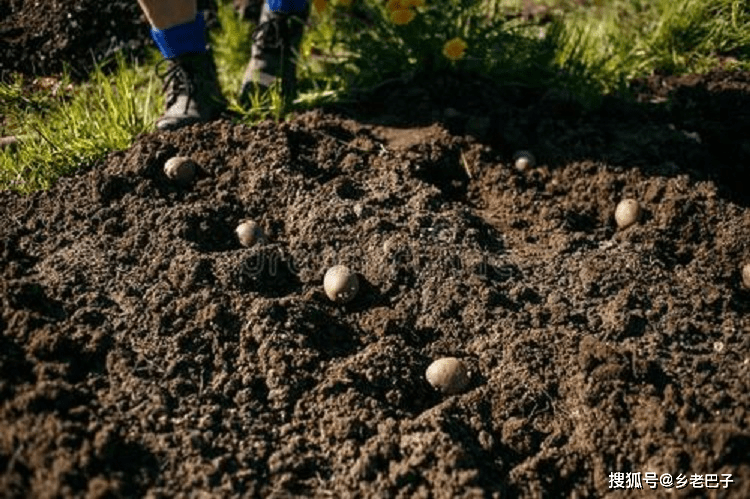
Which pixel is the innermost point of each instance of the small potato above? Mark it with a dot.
(627, 213)
(180, 169)
(340, 284)
(524, 160)
(249, 233)
(449, 375)
(746, 275)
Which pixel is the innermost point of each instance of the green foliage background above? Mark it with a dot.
(587, 47)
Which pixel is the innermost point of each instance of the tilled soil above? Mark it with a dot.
(40, 38)
(146, 353)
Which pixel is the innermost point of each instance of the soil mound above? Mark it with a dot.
(145, 352)
(38, 38)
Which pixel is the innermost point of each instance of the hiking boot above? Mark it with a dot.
(274, 53)
(191, 89)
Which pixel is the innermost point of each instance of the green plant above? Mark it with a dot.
(102, 115)
(589, 47)
(231, 47)
(369, 41)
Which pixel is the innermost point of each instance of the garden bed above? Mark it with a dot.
(145, 352)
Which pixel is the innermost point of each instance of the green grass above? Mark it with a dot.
(231, 46)
(590, 47)
(633, 38)
(61, 133)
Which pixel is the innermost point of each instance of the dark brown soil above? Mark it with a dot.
(39, 38)
(144, 352)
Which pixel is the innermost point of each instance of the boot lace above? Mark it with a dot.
(176, 79)
(270, 33)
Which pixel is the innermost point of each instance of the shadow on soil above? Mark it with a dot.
(662, 125)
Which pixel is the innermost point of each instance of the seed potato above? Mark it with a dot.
(340, 284)
(449, 375)
(180, 169)
(524, 160)
(250, 233)
(627, 213)
(746, 275)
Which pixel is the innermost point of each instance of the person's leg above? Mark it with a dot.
(297, 6)
(248, 10)
(163, 15)
(275, 47)
(190, 81)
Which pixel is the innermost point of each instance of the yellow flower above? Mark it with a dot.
(402, 16)
(454, 49)
(394, 5)
(413, 3)
(320, 6)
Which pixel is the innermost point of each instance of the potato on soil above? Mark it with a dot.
(180, 169)
(449, 375)
(524, 160)
(340, 284)
(627, 213)
(250, 233)
(746, 275)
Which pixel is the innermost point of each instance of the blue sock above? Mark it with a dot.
(181, 39)
(287, 5)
